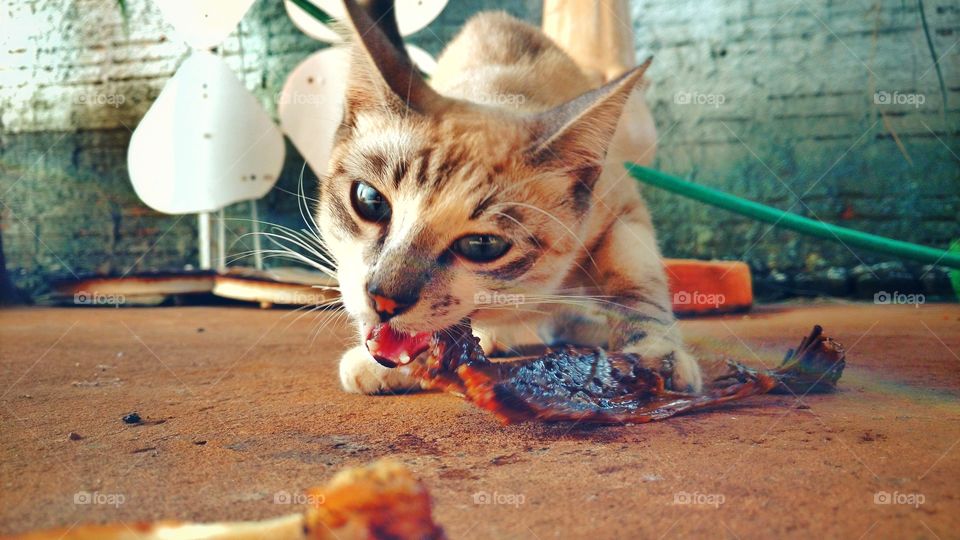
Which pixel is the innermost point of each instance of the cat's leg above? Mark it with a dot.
(581, 324)
(361, 374)
(629, 270)
(501, 338)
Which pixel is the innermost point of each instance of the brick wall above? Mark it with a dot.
(775, 101)
(75, 79)
(797, 127)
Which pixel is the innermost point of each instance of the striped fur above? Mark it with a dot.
(517, 144)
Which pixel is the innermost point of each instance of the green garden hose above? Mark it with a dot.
(787, 220)
(313, 11)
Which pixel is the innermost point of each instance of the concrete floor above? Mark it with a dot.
(242, 404)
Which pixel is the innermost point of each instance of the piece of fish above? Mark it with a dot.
(592, 385)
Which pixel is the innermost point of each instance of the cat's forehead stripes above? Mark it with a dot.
(423, 166)
(377, 162)
(454, 162)
(482, 206)
(581, 190)
(400, 171)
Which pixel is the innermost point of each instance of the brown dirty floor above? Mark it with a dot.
(242, 404)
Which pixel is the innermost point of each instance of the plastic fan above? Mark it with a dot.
(204, 143)
(204, 23)
(311, 104)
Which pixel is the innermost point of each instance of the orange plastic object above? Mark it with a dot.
(709, 287)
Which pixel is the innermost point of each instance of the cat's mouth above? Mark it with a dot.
(392, 348)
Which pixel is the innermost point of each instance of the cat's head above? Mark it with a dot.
(436, 209)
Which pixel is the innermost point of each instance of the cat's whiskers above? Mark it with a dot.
(283, 254)
(333, 306)
(578, 300)
(307, 240)
(310, 245)
(337, 317)
(329, 306)
(305, 212)
(277, 240)
(295, 194)
(522, 226)
(539, 245)
(558, 221)
(513, 308)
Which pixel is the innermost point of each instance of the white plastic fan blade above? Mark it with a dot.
(412, 16)
(422, 59)
(204, 23)
(310, 106)
(204, 143)
(415, 15)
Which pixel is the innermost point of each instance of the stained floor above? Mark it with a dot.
(242, 406)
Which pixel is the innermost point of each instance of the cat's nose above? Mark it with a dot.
(388, 307)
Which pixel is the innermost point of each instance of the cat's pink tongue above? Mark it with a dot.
(392, 348)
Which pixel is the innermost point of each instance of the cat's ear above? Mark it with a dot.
(577, 134)
(382, 76)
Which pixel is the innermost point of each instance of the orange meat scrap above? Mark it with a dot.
(381, 500)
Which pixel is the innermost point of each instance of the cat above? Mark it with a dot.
(495, 193)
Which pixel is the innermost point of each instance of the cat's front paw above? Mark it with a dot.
(361, 374)
(677, 365)
(686, 372)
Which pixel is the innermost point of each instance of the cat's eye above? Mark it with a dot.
(481, 247)
(369, 203)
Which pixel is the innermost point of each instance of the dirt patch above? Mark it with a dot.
(252, 408)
